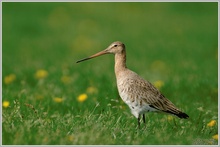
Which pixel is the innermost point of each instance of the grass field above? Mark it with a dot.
(48, 99)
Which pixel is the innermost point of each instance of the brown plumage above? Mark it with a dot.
(140, 95)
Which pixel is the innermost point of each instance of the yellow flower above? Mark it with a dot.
(91, 90)
(211, 123)
(58, 99)
(215, 137)
(9, 79)
(66, 79)
(82, 97)
(70, 137)
(158, 84)
(169, 117)
(41, 73)
(5, 104)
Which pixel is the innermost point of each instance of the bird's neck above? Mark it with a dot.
(120, 62)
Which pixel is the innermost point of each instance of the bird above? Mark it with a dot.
(140, 95)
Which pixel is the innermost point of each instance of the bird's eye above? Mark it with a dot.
(115, 45)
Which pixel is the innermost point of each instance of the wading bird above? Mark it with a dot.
(140, 95)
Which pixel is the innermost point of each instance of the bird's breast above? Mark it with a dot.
(130, 92)
(127, 91)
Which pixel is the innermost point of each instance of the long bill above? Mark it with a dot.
(93, 56)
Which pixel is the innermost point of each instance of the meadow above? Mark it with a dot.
(48, 99)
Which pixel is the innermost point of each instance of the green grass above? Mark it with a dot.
(176, 43)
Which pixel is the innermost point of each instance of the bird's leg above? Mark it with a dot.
(139, 122)
(144, 119)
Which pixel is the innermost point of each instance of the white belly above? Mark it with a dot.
(134, 101)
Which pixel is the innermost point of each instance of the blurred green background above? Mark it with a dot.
(175, 43)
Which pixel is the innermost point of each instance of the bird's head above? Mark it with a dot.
(114, 48)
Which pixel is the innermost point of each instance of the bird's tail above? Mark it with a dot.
(179, 114)
(168, 107)
(172, 109)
